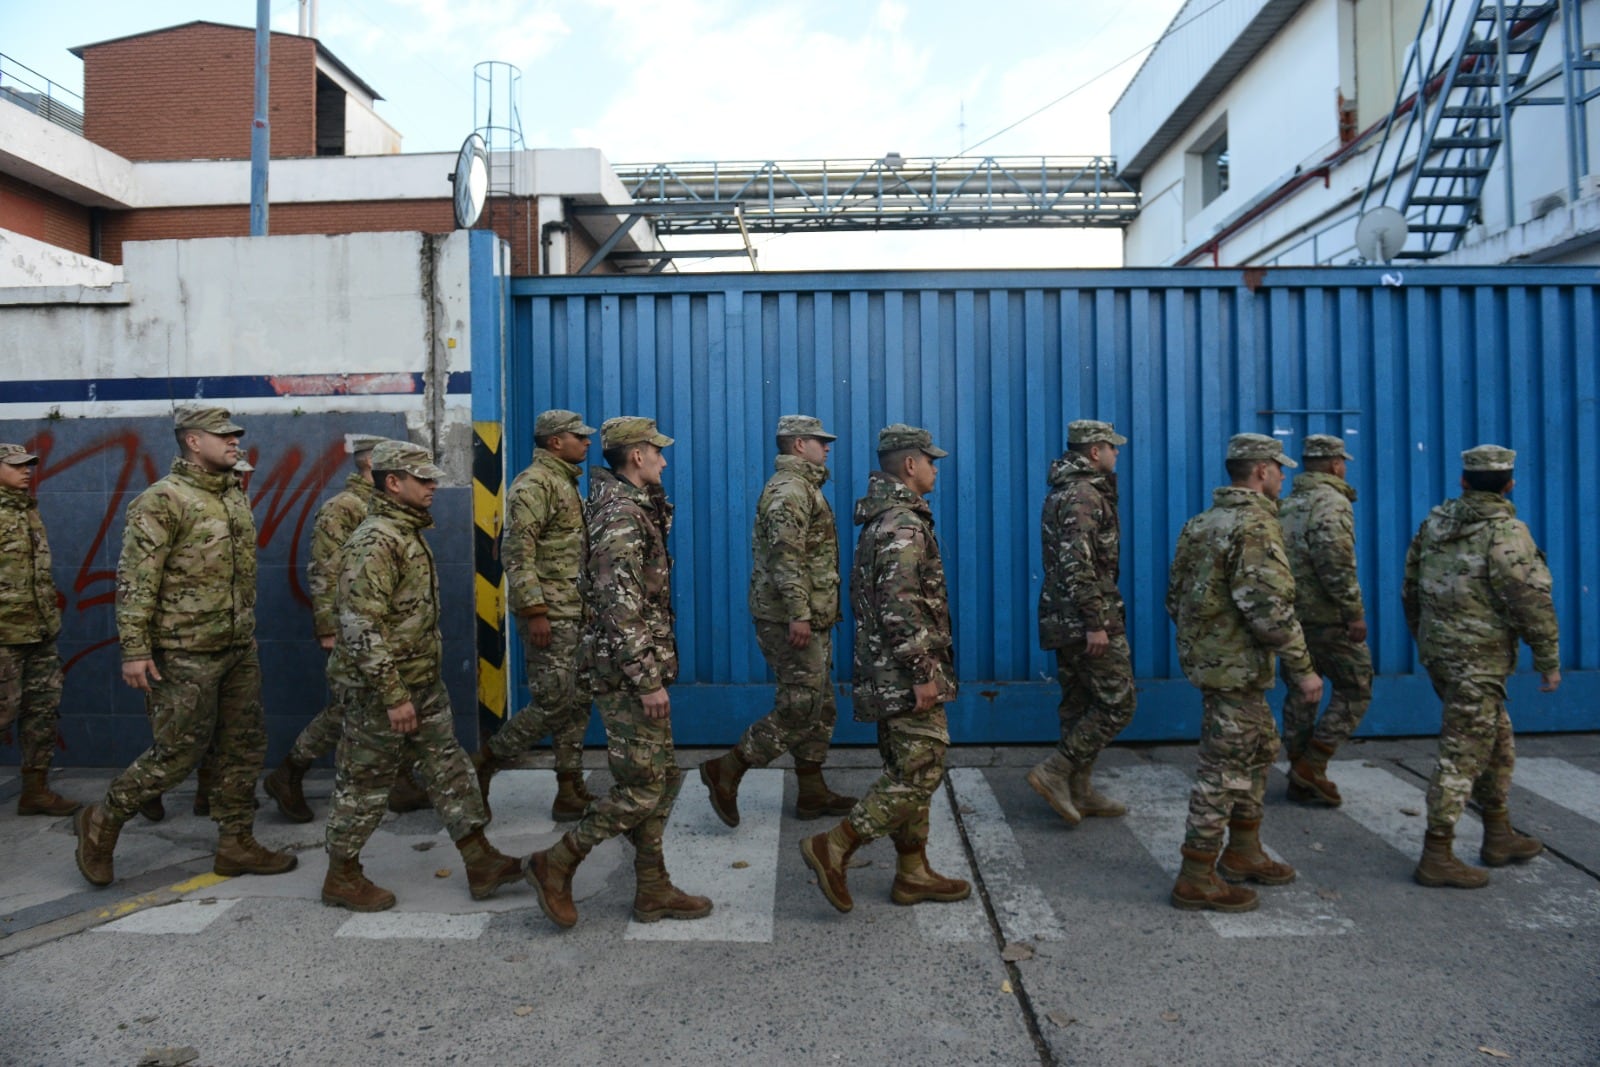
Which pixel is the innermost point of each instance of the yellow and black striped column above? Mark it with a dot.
(488, 478)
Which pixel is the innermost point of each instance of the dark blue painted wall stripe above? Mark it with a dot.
(221, 387)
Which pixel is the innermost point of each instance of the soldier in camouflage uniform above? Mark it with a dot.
(385, 677)
(186, 597)
(794, 600)
(544, 549)
(1476, 585)
(1319, 532)
(904, 674)
(630, 647)
(1080, 618)
(1231, 593)
(30, 618)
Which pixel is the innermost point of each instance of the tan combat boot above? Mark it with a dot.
(485, 765)
(1089, 801)
(37, 799)
(241, 853)
(828, 854)
(721, 776)
(487, 867)
(1245, 860)
(1439, 866)
(1308, 777)
(1052, 780)
(814, 800)
(284, 785)
(1199, 889)
(915, 881)
(1501, 844)
(97, 840)
(572, 798)
(550, 874)
(656, 898)
(406, 795)
(347, 886)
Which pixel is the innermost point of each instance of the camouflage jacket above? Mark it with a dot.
(28, 608)
(545, 542)
(627, 583)
(388, 604)
(187, 575)
(1319, 531)
(336, 520)
(902, 608)
(1475, 583)
(1082, 538)
(796, 547)
(1231, 593)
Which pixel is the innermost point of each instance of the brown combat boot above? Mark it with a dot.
(1089, 801)
(1245, 860)
(37, 799)
(1439, 866)
(721, 776)
(487, 867)
(154, 809)
(814, 800)
(1052, 780)
(347, 886)
(1501, 844)
(97, 840)
(1308, 777)
(284, 785)
(828, 854)
(1199, 889)
(406, 795)
(550, 874)
(656, 898)
(915, 881)
(572, 798)
(202, 791)
(241, 853)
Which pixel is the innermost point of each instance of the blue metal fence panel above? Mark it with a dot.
(1409, 369)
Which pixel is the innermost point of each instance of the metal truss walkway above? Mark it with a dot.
(792, 196)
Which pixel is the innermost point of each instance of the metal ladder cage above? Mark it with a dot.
(497, 118)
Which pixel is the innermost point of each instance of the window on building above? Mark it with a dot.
(1206, 168)
(1214, 170)
(330, 116)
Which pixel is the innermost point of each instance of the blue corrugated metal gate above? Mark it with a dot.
(1410, 370)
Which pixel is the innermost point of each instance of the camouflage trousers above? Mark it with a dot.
(204, 701)
(803, 711)
(320, 735)
(1476, 749)
(371, 753)
(559, 707)
(1238, 741)
(1097, 698)
(1348, 665)
(912, 747)
(644, 773)
(30, 696)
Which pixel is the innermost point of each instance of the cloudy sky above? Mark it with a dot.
(679, 80)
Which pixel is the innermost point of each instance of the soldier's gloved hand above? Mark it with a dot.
(1095, 643)
(538, 627)
(1310, 688)
(657, 705)
(403, 717)
(139, 673)
(927, 694)
(1550, 681)
(799, 633)
(326, 641)
(1357, 630)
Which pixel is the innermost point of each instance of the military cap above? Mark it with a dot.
(1488, 458)
(1323, 446)
(900, 436)
(559, 420)
(209, 419)
(357, 443)
(16, 456)
(405, 456)
(1258, 446)
(631, 430)
(803, 426)
(1092, 432)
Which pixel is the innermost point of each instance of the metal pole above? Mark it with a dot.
(260, 131)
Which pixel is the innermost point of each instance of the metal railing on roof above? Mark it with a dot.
(20, 84)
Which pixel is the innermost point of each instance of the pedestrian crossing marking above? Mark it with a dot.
(962, 921)
(1561, 783)
(415, 925)
(1019, 905)
(179, 917)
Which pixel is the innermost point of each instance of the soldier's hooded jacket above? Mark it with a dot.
(1320, 533)
(544, 544)
(1231, 593)
(795, 576)
(1475, 583)
(627, 583)
(388, 605)
(1082, 538)
(186, 578)
(28, 608)
(335, 522)
(902, 609)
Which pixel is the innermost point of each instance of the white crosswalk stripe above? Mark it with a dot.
(181, 917)
(1560, 782)
(1020, 906)
(963, 921)
(415, 925)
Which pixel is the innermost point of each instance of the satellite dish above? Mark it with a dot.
(1381, 233)
(471, 179)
